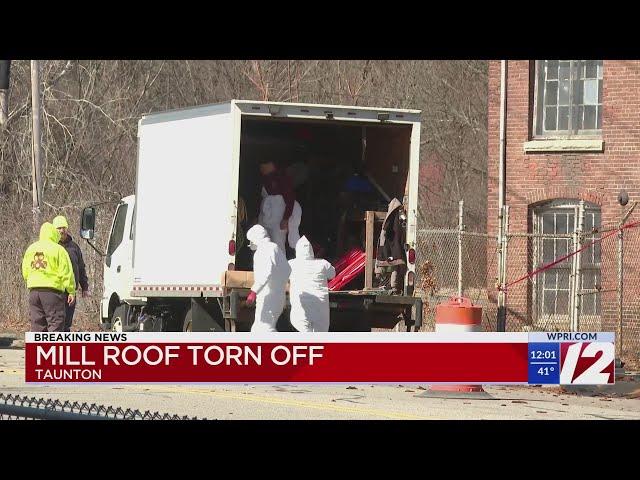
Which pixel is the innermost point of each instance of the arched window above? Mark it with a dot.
(554, 223)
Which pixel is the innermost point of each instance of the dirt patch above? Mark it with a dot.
(17, 327)
(627, 387)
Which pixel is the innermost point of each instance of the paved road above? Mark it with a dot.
(330, 401)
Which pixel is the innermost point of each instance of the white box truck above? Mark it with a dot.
(176, 256)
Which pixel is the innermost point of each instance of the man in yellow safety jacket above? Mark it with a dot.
(47, 269)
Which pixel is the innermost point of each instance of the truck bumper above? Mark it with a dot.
(347, 308)
(380, 311)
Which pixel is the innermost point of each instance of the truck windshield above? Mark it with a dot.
(118, 229)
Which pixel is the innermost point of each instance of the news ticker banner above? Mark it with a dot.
(473, 358)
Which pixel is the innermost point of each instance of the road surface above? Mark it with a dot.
(305, 402)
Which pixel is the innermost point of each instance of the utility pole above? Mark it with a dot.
(4, 91)
(36, 150)
(460, 232)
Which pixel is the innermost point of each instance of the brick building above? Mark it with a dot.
(572, 133)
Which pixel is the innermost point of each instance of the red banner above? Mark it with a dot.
(277, 362)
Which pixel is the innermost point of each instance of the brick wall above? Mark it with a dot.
(594, 177)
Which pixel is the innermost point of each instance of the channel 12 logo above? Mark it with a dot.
(590, 363)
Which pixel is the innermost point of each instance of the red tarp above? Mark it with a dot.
(347, 268)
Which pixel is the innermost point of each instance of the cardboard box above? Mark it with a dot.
(240, 279)
(237, 279)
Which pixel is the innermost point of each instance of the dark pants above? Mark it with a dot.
(69, 311)
(397, 277)
(46, 309)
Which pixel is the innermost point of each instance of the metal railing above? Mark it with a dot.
(15, 407)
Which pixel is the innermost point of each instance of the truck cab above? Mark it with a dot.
(118, 263)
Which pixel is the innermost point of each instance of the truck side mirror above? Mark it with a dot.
(88, 223)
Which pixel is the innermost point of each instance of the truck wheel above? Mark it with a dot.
(117, 319)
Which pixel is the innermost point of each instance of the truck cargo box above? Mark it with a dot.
(197, 165)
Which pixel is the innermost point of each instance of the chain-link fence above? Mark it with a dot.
(571, 274)
(576, 282)
(15, 407)
(455, 262)
(441, 275)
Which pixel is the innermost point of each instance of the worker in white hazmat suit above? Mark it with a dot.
(280, 213)
(272, 209)
(270, 275)
(308, 291)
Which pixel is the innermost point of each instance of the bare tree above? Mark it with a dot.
(89, 121)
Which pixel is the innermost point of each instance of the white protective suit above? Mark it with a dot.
(270, 275)
(272, 210)
(308, 291)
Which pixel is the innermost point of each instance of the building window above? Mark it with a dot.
(554, 224)
(568, 100)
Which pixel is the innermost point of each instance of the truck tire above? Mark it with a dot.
(117, 319)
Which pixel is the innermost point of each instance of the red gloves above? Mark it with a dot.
(251, 298)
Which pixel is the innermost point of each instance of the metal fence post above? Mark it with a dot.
(505, 260)
(502, 269)
(572, 273)
(460, 230)
(621, 275)
(500, 311)
(576, 270)
(620, 287)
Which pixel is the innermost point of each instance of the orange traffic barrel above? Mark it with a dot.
(458, 315)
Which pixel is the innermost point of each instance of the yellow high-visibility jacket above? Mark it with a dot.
(47, 264)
